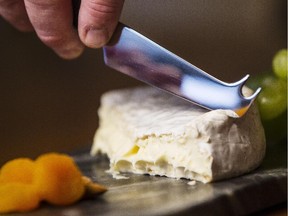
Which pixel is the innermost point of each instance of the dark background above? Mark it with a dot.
(50, 104)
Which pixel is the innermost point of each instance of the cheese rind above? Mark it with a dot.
(146, 131)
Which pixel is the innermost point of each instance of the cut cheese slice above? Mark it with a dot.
(147, 131)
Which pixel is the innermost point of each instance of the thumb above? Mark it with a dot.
(97, 21)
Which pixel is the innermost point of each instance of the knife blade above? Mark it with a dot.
(139, 57)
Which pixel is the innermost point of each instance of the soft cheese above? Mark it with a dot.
(147, 131)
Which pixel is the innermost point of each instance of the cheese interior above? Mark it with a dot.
(146, 131)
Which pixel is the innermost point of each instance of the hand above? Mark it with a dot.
(52, 21)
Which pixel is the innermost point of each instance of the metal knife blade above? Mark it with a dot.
(137, 56)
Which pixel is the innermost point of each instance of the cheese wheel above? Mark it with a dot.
(147, 131)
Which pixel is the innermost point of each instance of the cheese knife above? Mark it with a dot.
(139, 57)
(135, 55)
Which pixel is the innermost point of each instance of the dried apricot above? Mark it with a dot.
(18, 197)
(92, 189)
(53, 177)
(18, 170)
(57, 179)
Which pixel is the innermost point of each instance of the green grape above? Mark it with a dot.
(260, 80)
(272, 101)
(279, 64)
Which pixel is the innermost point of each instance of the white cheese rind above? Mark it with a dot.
(146, 131)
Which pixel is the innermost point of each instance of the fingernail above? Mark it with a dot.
(71, 52)
(96, 38)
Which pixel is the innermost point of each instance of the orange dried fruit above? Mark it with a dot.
(57, 179)
(53, 177)
(18, 197)
(92, 189)
(18, 170)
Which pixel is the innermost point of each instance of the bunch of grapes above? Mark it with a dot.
(272, 101)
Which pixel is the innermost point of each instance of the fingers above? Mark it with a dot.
(97, 21)
(53, 23)
(14, 12)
